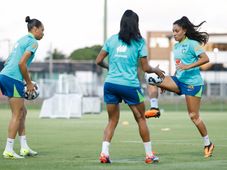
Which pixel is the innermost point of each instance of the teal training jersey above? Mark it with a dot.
(187, 52)
(11, 68)
(123, 60)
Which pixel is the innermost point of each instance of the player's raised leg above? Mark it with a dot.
(169, 84)
(154, 110)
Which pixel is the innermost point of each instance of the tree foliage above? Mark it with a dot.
(56, 55)
(87, 53)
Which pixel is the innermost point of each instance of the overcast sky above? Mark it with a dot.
(72, 24)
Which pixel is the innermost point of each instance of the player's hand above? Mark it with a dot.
(159, 72)
(30, 87)
(181, 66)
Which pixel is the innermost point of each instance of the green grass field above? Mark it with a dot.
(75, 144)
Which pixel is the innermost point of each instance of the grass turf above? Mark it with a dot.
(75, 144)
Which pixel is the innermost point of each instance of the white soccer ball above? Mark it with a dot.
(34, 94)
(153, 79)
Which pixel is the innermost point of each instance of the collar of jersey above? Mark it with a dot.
(186, 38)
(31, 35)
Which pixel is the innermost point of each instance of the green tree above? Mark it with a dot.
(87, 53)
(56, 55)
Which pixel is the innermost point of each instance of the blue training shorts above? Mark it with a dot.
(188, 90)
(114, 94)
(11, 87)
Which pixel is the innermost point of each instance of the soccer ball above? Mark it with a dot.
(34, 94)
(153, 79)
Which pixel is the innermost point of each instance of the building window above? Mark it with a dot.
(161, 42)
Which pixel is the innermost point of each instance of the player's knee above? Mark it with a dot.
(195, 118)
(113, 121)
(21, 114)
(17, 116)
(140, 118)
(24, 111)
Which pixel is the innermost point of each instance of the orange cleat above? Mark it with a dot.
(104, 158)
(151, 159)
(208, 150)
(153, 112)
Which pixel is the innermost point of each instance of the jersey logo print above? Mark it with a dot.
(35, 45)
(197, 48)
(121, 49)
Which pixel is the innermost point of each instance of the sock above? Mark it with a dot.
(148, 148)
(105, 147)
(206, 140)
(23, 142)
(154, 102)
(9, 145)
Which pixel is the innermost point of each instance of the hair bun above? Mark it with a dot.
(184, 18)
(128, 13)
(27, 19)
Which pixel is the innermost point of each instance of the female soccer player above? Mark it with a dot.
(125, 50)
(188, 56)
(12, 85)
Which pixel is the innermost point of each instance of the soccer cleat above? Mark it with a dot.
(153, 112)
(208, 150)
(104, 158)
(11, 155)
(151, 159)
(28, 152)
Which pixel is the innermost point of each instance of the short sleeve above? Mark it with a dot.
(32, 46)
(143, 49)
(196, 48)
(106, 46)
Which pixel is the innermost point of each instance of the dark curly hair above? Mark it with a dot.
(192, 30)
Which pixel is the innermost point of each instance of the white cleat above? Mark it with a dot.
(28, 152)
(11, 155)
